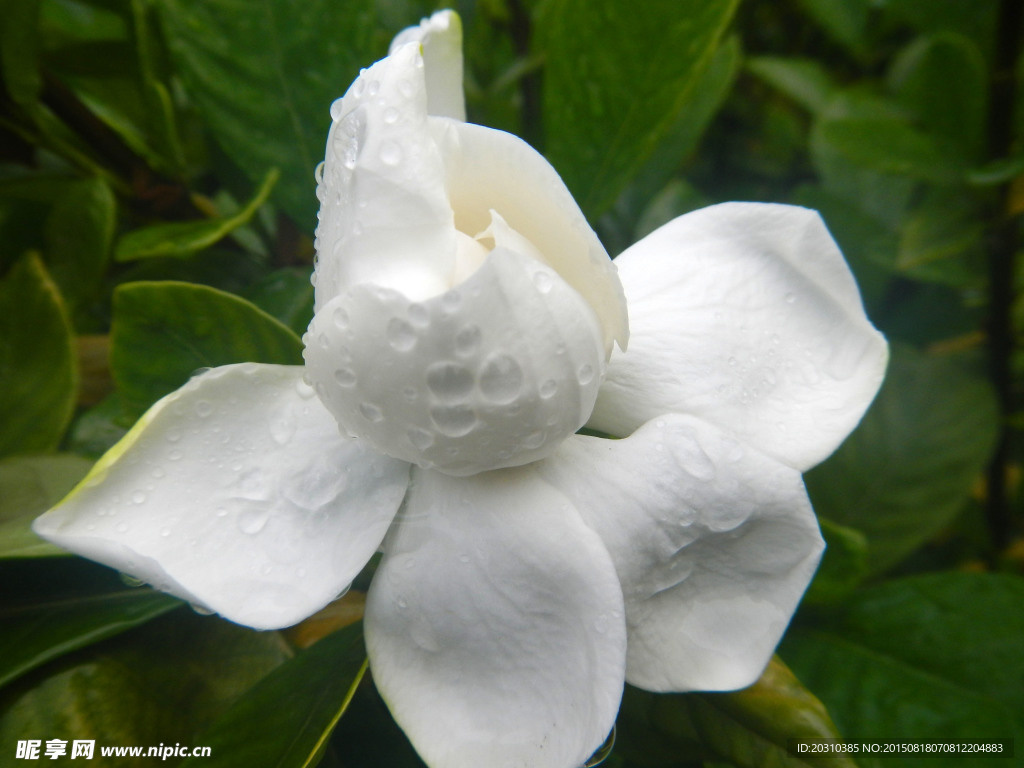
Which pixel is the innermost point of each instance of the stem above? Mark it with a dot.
(1002, 265)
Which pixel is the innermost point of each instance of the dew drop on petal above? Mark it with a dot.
(252, 521)
(282, 429)
(173, 435)
(345, 377)
(340, 317)
(390, 153)
(453, 420)
(790, 298)
(450, 301)
(548, 388)
(421, 439)
(371, 412)
(501, 378)
(401, 335)
(543, 282)
(467, 341)
(391, 115)
(585, 374)
(419, 316)
(449, 382)
(138, 497)
(174, 455)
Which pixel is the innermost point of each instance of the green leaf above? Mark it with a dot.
(38, 368)
(844, 566)
(264, 76)
(943, 240)
(937, 657)
(160, 683)
(286, 294)
(846, 21)
(908, 469)
(806, 81)
(193, 327)
(91, 604)
(19, 51)
(79, 231)
(186, 237)
(285, 721)
(749, 728)
(30, 485)
(615, 79)
(892, 145)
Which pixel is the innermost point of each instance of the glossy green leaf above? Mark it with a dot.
(47, 620)
(79, 232)
(285, 721)
(286, 294)
(937, 657)
(748, 729)
(186, 237)
(162, 683)
(909, 467)
(894, 146)
(264, 77)
(942, 80)
(943, 240)
(30, 485)
(844, 566)
(193, 327)
(38, 369)
(615, 79)
(806, 81)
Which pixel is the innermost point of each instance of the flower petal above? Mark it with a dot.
(236, 493)
(714, 543)
(493, 373)
(746, 315)
(494, 624)
(441, 38)
(384, 215)
(489, 170)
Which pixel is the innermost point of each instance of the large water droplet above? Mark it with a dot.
(501, 378)
(345, 377)
(450, 382)
(371, 412)
(453, 420)
(252, 521)
(401, 335)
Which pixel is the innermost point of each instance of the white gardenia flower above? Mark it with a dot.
(465, 329)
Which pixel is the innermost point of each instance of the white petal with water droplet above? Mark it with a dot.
(236, 493)
(441, 39)
(494, 624)
(494, 379)
(714, 543)
(746, 315)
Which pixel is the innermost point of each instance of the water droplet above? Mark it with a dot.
(340, 317)
(345, 377)
(373, 88)
(410, 393)
(252, 521)
(282, 429)
(463, 557)
(418, 315)
(401, 335)
(534, 439)
(202, 610)
(318, 172)
(391, 115)
(390, 153)
(501, 378)
(401, 602)
(130, 581)
(467, 341)
(173, 435)
(543, 281)
(790, 298)
(174, 455)
(158, 472)
(323, 341)
(371, 412)
(220, 512)
(138, 497)
(304, 388)
(450, 382)
(421, 439)
(548, 389)
(336, 107)
(121, 527)
(453, 420)
(450, 301)
(165, 532)
(732, 362)
(406, 88)
(585, 374)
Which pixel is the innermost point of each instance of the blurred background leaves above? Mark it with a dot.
(156, 217)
